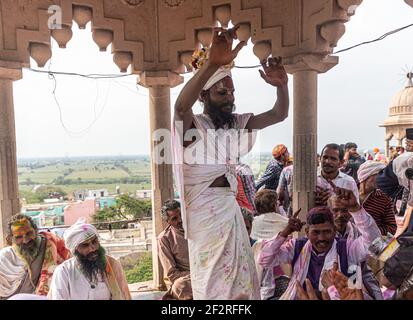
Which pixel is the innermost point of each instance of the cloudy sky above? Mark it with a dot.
(110, 117)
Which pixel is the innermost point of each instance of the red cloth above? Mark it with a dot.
(55, 254)
(242, 197)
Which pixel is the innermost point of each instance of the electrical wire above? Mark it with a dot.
(89, 76)
(83, 132)
(375, 40)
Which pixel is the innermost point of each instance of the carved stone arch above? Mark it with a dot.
(290, 28)
(30, 19)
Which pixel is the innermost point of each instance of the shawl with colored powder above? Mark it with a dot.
(116, 280)
(301, 268)
(55, 254)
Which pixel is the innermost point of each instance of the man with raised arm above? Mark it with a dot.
(221, 260)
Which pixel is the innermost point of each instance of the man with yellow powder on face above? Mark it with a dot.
(26, 267)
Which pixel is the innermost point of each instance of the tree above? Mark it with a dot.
(126, 208)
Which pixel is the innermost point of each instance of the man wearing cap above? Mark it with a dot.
(379, 156)
(319, 251)
(26, 267)
(378, 204)
(90, 274)
(272, 173)
(221, 260)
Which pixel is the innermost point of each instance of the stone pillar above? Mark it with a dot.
(387, 149)
(159, 84)
(305, 140)
(9, 186)
(305, 69)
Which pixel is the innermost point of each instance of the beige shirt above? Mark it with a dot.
(173, 253)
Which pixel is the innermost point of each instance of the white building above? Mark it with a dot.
(144, 194)
(97, 193)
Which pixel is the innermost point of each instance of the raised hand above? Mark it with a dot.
(327, 277)
(274, 72)
(294, 225)
(221, 53)
(346, 198)
(341, 283)
(321, 196)
(306, 295)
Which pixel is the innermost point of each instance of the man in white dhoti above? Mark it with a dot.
(221, 260)
(90, 274)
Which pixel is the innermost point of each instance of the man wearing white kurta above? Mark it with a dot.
(221, 260)
(90, 274)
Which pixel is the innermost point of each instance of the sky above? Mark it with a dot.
(111, 116)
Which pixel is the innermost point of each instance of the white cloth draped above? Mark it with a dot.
(12, 271)
(220, 74)
(267, 225)
(220, 255)
(400, 165)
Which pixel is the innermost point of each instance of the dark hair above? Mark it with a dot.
(18, 217)
(265, 200)
(350, 145)
(334, 146)
(169, 205)
(320, 215)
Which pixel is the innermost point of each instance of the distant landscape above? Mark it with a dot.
(66, 175)
(130, 173)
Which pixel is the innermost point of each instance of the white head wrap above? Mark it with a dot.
(220, 74)
(400, 165)
(368, 169)
(78, 233)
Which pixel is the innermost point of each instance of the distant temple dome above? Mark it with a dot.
(400, 112)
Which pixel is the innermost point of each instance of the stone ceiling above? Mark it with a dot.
(155, 35)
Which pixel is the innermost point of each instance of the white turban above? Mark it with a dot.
(78, 233)
(400, 165)
(220, 74)
(368, 169)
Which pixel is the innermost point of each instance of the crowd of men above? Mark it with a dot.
(231, 237)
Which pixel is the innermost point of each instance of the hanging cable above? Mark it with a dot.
(375, 40)
(89, 76)
(83, 132)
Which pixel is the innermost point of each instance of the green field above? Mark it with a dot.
(69, 175)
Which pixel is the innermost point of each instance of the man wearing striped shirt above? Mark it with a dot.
(378, 204)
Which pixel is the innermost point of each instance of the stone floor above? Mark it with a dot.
(144, 291)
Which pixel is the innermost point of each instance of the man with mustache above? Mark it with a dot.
(173, 253)
(347, 229)
(26, 267)
(221, 259)
(90, 274)
(332, 158)
(319, 250)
